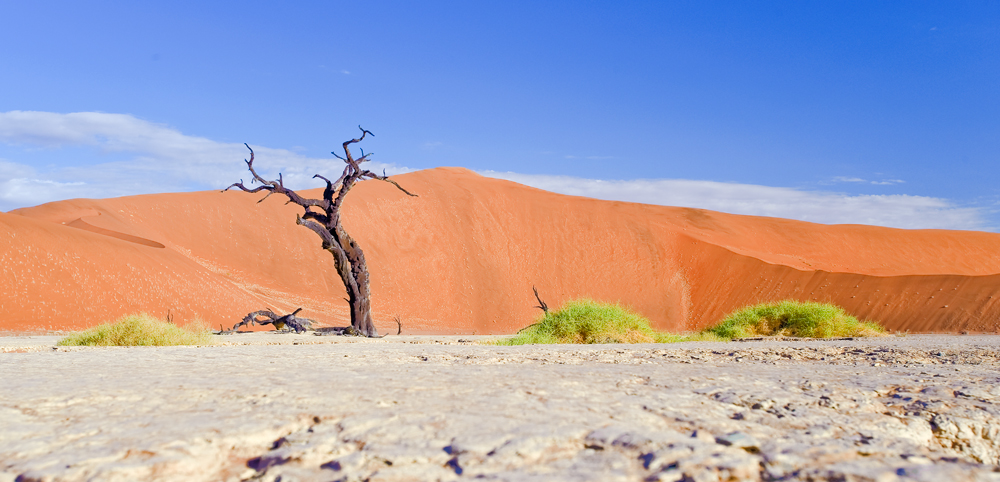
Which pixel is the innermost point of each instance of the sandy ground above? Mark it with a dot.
(300, 407)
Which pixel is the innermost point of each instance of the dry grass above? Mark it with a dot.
(139, 330)
(790, 319)
(587, 321)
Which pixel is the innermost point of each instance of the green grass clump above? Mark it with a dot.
(792, 319)
(587, 321)
(138, 330)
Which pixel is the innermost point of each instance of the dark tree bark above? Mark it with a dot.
(322, 216)
(293, 322)
(541, 304)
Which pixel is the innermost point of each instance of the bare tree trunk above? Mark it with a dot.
(322, 216)
(356, 279)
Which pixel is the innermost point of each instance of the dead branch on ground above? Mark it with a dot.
(268, 317)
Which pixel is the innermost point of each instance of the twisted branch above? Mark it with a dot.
(541, 304)
(271, 318)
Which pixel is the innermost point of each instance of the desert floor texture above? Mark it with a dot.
(301, 407)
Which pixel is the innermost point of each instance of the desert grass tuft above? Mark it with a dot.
(139, 330)
(791, 319)
(588, 321)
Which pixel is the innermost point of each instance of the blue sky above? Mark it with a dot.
(862, 112)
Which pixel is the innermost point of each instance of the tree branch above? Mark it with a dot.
(318, 229)
(394, 183)
(364, 132)
(383, 177)
(271, 318)
(541, 304)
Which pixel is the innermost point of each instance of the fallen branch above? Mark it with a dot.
(350, 331)
(268, 317)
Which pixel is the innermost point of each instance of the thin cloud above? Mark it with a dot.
(27, 191)
(162, 159)
(848, 179)
(889, 182)
(898, 210)
(858, 180)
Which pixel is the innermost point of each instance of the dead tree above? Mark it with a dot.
(541, 304)
(268, 317)
(322, 216)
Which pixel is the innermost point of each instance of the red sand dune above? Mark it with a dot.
(463, 256)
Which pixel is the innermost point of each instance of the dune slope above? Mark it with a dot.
(463, 257)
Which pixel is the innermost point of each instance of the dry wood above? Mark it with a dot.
(541, 304)
(268, 317)
(322, 216)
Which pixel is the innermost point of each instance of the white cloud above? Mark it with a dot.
(848, 179)
(28, 191)
(884, 182)
(164, 159)
(898, 210)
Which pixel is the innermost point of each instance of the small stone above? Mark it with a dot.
(918, 459)
(973, 393)
(738, 440)
(938, 391)
(670, 475)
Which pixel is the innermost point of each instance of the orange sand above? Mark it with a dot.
(463, 256)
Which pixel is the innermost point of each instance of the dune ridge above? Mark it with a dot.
(463, 256)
